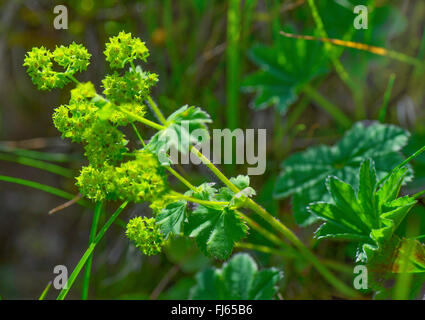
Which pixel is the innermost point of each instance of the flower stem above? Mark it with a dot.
(278, 226)
(264, 249)
(195, 200)
(141, 119)
(214, 169)
(171, 170)
(308, 255)
(156, 110)
(181, 178)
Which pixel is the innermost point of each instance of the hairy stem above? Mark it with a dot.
(156, 110)
(181, 178)
(196, 200)
(278, 226)
(285, 231)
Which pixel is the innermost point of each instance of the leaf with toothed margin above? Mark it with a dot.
(304, 174)
(238, 279)
(172, 217)
(215, 231)
(369, 216)
(284, 68)
(186, 126)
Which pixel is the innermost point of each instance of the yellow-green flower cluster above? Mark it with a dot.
(94, 121)
(138, 180)
(145, 234)
(80, 122)
(123, 49)
(73, 57)
(134, 85)
(40, 66)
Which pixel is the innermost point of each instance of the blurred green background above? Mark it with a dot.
(201, 51)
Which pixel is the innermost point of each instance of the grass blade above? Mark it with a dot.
(361, 46)
(53, 168)
(383, 111)
(62, 295)
(232, 63)
(93, 230)
(45, 291)
(45, 188)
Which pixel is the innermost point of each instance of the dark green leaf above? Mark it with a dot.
(304, 173)
(238, 279)
(215, 230)
(285, 68)
(361, 218)
(184, 127)
(171, 218)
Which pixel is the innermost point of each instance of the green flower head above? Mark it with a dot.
(73, 57)
(123, 49)
(40, 69)
(146, 235)
(133, 86)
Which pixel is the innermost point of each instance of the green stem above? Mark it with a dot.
(387, 95)
(328, 106)
(285, 231)
(402, 164)
(232, 63)
(93, 230)
(138, 134)
(337, 64)
(141, 119)
(289, 255)
(418, 195)
(263, 249)
(70, 76)
(279, 227)
(181, 178)
(195, 200)
(214, 169)
(171, 170)
(62, 295)
(156, 110)
(265, 233)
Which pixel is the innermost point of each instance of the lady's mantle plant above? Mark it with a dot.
(116, 173)
(214, 216)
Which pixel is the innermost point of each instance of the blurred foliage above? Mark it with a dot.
(188, 46)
